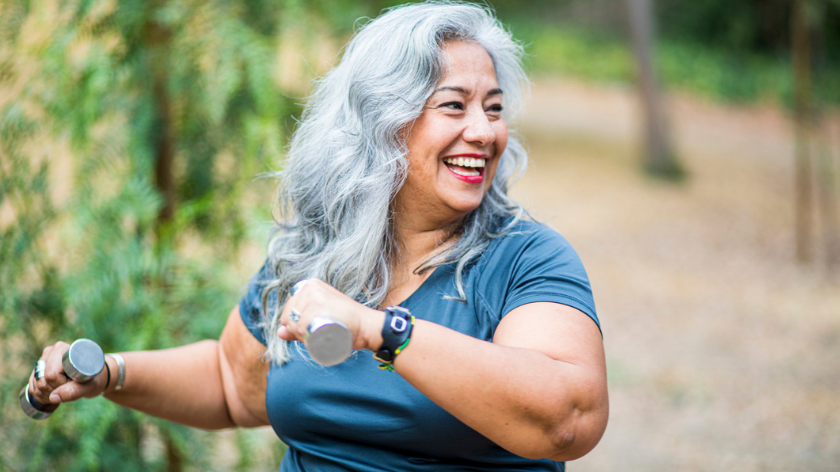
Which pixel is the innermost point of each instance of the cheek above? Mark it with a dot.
(425, 145)
(501, 137)
(501, 145)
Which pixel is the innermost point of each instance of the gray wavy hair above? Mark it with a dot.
(347, 159)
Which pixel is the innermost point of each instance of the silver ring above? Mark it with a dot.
(296, 287)
(294, 316)
(39, 369)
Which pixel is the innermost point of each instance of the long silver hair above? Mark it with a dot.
(347, 159)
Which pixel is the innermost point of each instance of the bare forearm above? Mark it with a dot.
(182, 384)
(523, 400)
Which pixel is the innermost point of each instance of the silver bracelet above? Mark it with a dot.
(120, 370)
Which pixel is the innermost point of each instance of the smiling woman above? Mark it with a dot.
(485, 348)
(454, 147)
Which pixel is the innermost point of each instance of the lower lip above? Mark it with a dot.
(470, 179)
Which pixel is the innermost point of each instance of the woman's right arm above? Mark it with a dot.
(208, 384)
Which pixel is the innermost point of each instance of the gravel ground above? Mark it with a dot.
(723, 353)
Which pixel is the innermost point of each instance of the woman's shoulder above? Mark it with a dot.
(525, 248)
(532, 262)
(516, 236)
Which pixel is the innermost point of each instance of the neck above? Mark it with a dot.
(420, 239)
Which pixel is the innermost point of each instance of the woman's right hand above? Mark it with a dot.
(55, 387)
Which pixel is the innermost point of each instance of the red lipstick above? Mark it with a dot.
(471, 179)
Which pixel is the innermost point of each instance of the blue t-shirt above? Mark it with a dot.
(355, 416)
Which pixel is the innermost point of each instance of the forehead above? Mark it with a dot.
(469, 63)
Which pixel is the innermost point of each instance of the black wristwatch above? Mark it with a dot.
(396, 332)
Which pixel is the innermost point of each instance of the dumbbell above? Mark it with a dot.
(82, 362)
(327, 339)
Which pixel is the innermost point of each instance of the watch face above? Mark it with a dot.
(398, 324)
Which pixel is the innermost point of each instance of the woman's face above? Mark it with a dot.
(455, 145)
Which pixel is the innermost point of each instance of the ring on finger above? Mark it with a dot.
(296, 287)
(294, 316)
(39, 369)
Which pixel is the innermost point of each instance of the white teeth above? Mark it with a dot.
(465, 172)
(468, 162)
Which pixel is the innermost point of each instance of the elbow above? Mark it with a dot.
(565, 444)
(562, 441)
(557, 445)
(574, 438)
(565, 440)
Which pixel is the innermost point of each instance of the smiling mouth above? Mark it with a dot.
(466, 166)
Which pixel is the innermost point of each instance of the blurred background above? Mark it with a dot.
(690, 151)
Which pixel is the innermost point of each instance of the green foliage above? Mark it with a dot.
(746, 27)
(576, 53)
(720, 74)
(92, 94)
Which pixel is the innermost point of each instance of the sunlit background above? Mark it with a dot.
(690, 151)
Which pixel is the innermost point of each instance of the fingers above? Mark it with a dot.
(73, 390)
(284, 334)
(54, 372)
(54, 386)
(295, 317)
(316, 298)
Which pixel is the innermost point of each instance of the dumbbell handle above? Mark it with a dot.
(82, 362)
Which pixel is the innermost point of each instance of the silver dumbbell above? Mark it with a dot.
(328, 340)
(82, 362)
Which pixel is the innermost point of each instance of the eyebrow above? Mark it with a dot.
(495, 91)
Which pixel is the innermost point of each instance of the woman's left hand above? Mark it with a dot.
(317, 298)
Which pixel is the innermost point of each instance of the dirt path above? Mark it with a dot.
(723, 353)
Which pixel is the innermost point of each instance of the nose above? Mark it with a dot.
(478, 129)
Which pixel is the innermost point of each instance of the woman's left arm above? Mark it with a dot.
(539, 390)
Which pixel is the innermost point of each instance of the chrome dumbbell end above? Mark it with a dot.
(82, 362)
(33, 408)
(329, 341)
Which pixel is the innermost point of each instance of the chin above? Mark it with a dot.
(465, 206)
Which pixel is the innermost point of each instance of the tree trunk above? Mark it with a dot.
(164, 153)
(827, 183)
(801, 51)
(159, 38)
(659, 158)
(174, 458)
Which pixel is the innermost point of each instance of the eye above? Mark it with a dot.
(495, 108)
(452, 105)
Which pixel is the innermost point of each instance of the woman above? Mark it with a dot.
(395, 195)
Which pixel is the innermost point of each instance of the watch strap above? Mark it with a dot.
(396, 333)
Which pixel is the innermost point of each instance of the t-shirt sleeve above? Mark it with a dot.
(250, 307)
(545, 268)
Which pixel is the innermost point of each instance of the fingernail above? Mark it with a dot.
(54, 398)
